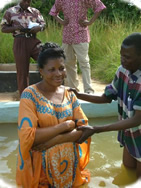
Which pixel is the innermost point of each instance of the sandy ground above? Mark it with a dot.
(12, 96)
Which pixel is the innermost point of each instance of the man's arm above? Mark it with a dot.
(40, 21)
(61, 21)
(120, 125)
(10, 29)
(91, 98)
(97, 7)
(85, 23)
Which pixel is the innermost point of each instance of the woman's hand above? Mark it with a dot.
(71, 136)
(69, 125)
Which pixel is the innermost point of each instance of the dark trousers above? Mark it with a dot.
(23, 49)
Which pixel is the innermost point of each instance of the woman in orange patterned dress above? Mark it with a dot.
(49, 155)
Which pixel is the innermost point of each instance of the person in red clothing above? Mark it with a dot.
(76, 37)
(23, 22)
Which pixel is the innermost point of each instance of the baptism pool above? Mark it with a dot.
(105, 159)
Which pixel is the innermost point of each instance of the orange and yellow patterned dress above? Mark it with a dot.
(61, 166)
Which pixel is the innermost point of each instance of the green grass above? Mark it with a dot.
(106, 39)
(104, 52)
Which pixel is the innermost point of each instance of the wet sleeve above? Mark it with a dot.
(27, 124)
(80, 120)
(78, 115)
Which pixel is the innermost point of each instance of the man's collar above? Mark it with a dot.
(136, 73)
(28, 9)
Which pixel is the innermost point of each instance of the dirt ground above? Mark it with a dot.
(12, 96)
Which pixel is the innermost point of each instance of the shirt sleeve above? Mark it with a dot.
(137, 104)
(6, 20)
(27, 124)
(57, 7)
(80, 119)
(111, 90)
(40, 18)
(96, 5)
(78, 115)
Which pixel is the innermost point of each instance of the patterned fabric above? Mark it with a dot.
(75, 10)
(59, 166)
(17, 16)
(126, 88)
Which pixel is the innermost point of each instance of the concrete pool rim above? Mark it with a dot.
(9, 110)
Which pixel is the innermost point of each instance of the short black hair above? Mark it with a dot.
(48, 51)
(133, 40)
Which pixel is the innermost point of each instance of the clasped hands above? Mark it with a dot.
(68, 132)
(86, 130)
(33, 30)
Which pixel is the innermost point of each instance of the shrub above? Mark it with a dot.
(120, 9)
(115, 8)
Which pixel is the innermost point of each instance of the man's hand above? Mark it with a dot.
(84, 23)
(65, 22)
(18, 27)
(35, 29)
(87, 131)
(74, 90)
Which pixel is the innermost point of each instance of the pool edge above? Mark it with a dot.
(9, 110)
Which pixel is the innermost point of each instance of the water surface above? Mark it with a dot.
(105, 158)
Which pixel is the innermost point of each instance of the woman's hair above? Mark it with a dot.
(49, 51)
(134, 40)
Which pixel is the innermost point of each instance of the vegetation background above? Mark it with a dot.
(107, 33)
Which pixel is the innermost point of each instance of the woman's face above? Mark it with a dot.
(54, 72)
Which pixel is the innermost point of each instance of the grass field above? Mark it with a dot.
(106, 39)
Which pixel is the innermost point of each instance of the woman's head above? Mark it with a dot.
(51, 64)
(49, 51)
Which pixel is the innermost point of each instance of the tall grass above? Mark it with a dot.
(104, 52)
(106, 39)
(6, 54)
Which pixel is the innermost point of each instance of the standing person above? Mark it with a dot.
(126, 88)
(76, 37)
(48, 116)
(24, 22)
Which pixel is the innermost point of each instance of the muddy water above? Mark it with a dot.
(8, 153)
(105, 159)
